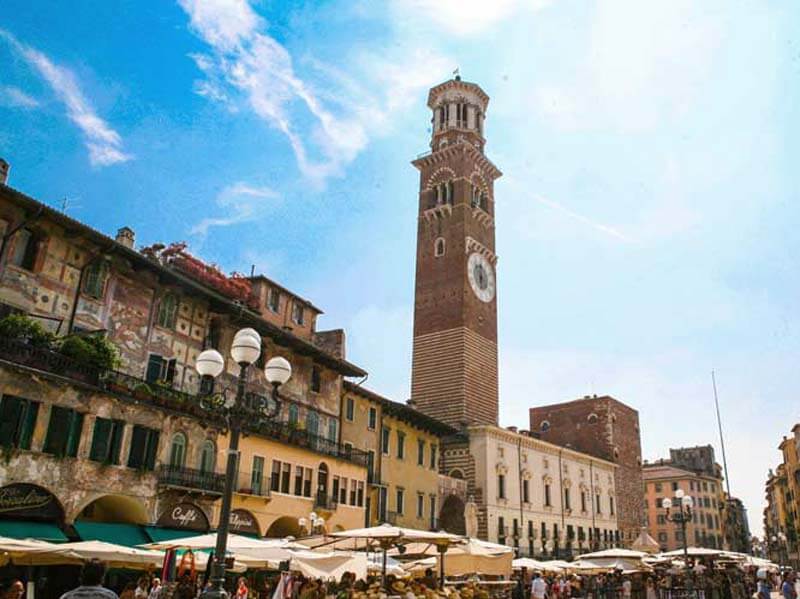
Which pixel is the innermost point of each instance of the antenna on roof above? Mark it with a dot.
(721, 438)
(252, 270)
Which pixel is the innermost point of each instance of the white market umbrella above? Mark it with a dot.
(209, 541)
(694, 552)
(615, 552)
(528, 564)
(387, 535)
(31, 552)
(114, 556)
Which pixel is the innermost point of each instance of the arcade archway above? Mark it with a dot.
(284, 527)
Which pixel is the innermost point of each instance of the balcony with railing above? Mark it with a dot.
(162, 394)
(254, 484)
(323, 501)
(191, 480)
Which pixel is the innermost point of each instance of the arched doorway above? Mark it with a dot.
(114, 519)
(31, 511)
(284, 527)
(451, 516)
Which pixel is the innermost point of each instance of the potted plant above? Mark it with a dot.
(142, 391)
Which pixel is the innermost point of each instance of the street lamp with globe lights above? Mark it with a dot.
(780, 541)
(681, 515)
(236, 410)
(313, 524)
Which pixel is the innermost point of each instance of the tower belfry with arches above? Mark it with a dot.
(454, 366)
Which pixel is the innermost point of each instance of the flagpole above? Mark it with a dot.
(721, 438)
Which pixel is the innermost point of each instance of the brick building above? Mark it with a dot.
(607, 429)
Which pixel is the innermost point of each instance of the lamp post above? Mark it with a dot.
(682, 515)
(316, 523)
(244, 408)
(780, 541)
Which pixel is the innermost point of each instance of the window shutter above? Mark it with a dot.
(138, 446)
(153, 372)
(26, 434)
(57, 431)
(117, 427)
(100, 439)
(152, 449)
(74, 438)
(169, 372)
(10, 414)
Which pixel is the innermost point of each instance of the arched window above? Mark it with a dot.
(450, 194)
(322, 480)
(438, 247)
(313, 422)
(208, 457)
(476, 196)
(484, 203)
(167, 311)
(294, 413)
(177, 451)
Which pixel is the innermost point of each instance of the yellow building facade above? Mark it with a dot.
(402, 447)
(281, 482)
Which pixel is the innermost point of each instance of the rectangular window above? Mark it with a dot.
(274, 300)
(547, 495)
(661, 519)
(353, 492)
(611, 505)
(316, 379)
(567, 504)
(94, 280)
(167, 311)
(526, 497)
(26, 249)
(63, 432)
(343, 491)
(335, 488)
(286, 475)
(275, 478)
(17, 421)
(349, 408)
(383, 504)
(599, 507)
(307, 482)
(544, 531)
(373, 419)
(385, 441)
(144, 448)
(371, 466)
(401, 445)
(583, 501)
(433, 457)
(257, 475)
(106, 440)
(501, 529)
(674, 486)
(298, 316)
(160, 369)
(501, 486)
(333, 429)
(432, 502)
(420, 452)
(360, 499)
(399, 501)
(298, 480)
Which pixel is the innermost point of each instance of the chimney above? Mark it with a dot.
(126, 237)
(4, 168)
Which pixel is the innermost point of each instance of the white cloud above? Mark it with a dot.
(102, 141)
(463, 17)
(243, 203)
(646, 63)
(325, 123)
(16, 98)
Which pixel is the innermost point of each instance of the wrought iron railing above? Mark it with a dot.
(190, 478)
(42, 358)
(257, 485)
(325, 501)
(162, 394)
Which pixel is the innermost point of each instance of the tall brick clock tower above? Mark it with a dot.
(454, 367)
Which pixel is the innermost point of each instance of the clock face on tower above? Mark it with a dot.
(481, 277)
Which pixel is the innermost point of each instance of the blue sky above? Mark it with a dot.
(646, 221)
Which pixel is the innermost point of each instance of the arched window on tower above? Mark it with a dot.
(450, 194)
(439, 247)
(442, 121)
(479, 122)
(484, 202)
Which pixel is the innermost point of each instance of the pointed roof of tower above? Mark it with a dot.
(456, 83)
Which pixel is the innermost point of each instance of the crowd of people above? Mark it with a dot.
(696, 583)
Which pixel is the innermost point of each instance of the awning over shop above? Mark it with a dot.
(29, 529)
(129, 535)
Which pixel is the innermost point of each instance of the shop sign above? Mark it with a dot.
(23, 500)
(184, 515)
(244, 522)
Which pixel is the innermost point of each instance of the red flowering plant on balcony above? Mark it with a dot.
(235, 286)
